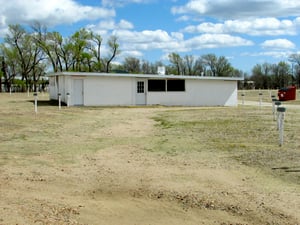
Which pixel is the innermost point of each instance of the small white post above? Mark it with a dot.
(35, 102)
(277, 103)
(281, 112)
(59, 101)
(243, 98)
(273, 108)
(68, 99)
(260, 99)
(9, 90)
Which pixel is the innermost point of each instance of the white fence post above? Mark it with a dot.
(35, 102)
(277, 103)
(260, 99)
(243, 98)
(68, 99)
(273, 108)
(59, 101)
(281, 112)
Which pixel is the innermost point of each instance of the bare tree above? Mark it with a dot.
(199, 67)
(51, 43)
(295, 60)
(114, 50)
(146, 67)
(210, 61)
(189, 62)
(96, 39)
(176, 60)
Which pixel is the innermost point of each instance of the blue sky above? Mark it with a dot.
(246, 32)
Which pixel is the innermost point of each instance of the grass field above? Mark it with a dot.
(147, 165)
(266, 95)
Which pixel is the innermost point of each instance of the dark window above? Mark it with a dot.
(176, 85)
(140, 87)
(156, 85)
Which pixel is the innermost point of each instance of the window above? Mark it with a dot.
(140, 87)
(176, 85)
(156, 85)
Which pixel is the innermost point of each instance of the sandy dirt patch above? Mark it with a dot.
(101, 166)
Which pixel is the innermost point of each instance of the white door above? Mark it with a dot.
(140, 92)
(78, 92)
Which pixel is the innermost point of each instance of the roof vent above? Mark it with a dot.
(161, 70)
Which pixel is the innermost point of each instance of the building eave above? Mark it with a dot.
(145, 76)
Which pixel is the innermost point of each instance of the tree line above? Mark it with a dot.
(205, 65)
(274, 76)
(29, 53)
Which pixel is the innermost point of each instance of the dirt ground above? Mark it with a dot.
(120, 181)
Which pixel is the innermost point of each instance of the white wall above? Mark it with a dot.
(198, 93)
(52, 88)
(108, 91)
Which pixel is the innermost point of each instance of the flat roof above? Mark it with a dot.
(151, 76)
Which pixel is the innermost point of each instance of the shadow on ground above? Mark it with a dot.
(287, 169)
(47, 103)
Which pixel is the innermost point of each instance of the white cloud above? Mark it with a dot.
(177, 36)
(255, 27)
(158, 39)
(216, 41)
(148, 40)
(136, 54)
(193, 6)
(51, 13)
(149, 37)
(119, 3)
(112, 25)
(125, 25)
(209, 27)
(183, 18)
(273, 54)
(234, 9)
(278, 44)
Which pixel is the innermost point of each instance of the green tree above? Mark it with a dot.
(78, 47)
(30, 56)
(132, 65)
(217, 66)
(9, 64)
(282, 75)
(223, 67)
(258, 76)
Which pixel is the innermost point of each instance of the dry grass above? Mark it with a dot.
(221, 137)
(266, 96)
(245, 133)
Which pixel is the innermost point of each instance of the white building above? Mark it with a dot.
(108, 89)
